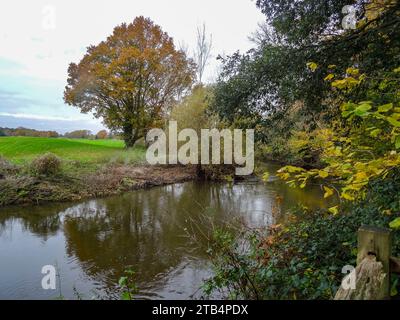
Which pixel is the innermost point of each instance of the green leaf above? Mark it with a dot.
(346, 114)
(123, 281)
(395, 224)
(362, 109)
(393, 122)
(393, 290)
(397, 144)
(375, 133)
(385, 107)
(126, 296)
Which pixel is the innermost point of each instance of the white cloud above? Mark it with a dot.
(43, 53)
(46, 118)
(46, 53)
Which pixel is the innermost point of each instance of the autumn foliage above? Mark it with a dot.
(131, 79)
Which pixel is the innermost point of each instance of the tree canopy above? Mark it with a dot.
(270, 78)
(131, 79)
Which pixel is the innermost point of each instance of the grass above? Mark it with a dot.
(89, 168)
(21, 150)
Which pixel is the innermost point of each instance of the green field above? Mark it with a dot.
(24, 149)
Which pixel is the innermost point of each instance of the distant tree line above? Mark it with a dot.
(25, 132)
(77, 134)
(87, 134)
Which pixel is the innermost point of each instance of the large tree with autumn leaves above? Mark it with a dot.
(131, 79)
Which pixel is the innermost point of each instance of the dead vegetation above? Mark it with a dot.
(19, 187)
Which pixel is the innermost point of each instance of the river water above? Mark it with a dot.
(91, 243)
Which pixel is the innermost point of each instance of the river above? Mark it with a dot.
(91, 243)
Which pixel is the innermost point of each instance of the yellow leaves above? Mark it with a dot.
(334, 210)
(328, 192)
(312, 66)
(362, 152)
(347, 196)
(341, 84)
(266, 176)
(323, 174)
(299, 140)
(387, 212)
(360, 177)
(352, 71)
(397, 70)
(352, 80)
(346, 83)
(292, 169)
(332, 66)
(375, 133)
(283, 175)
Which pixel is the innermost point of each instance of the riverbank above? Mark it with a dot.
(23, 189)
(84, 169)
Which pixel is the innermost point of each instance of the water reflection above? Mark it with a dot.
(94, 241)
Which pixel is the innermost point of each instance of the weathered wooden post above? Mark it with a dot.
(373, 266)
(377, 242)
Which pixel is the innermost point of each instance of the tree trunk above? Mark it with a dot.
(199, 171)
(130, 137)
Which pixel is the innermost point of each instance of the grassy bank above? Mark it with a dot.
(24, 149)
(87, 169)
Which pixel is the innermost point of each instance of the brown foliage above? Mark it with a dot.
(102, 135)
(47, 165)
(131, 79)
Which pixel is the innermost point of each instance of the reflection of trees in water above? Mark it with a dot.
(43, 221)
(144, 229)
(312, 196)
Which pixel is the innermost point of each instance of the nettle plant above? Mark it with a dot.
(364, 145)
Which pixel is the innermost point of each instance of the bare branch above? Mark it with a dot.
(203, 51)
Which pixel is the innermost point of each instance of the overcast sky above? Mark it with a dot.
(35, 49)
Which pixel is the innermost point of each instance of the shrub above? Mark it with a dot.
(304, 258)
(47, 165)
(6, 168)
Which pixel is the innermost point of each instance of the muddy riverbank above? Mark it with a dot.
(20, 189)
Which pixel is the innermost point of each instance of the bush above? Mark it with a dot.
(303, 259)
(47, 165)
(6, 168)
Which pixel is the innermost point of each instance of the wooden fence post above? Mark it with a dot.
(377, 242)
